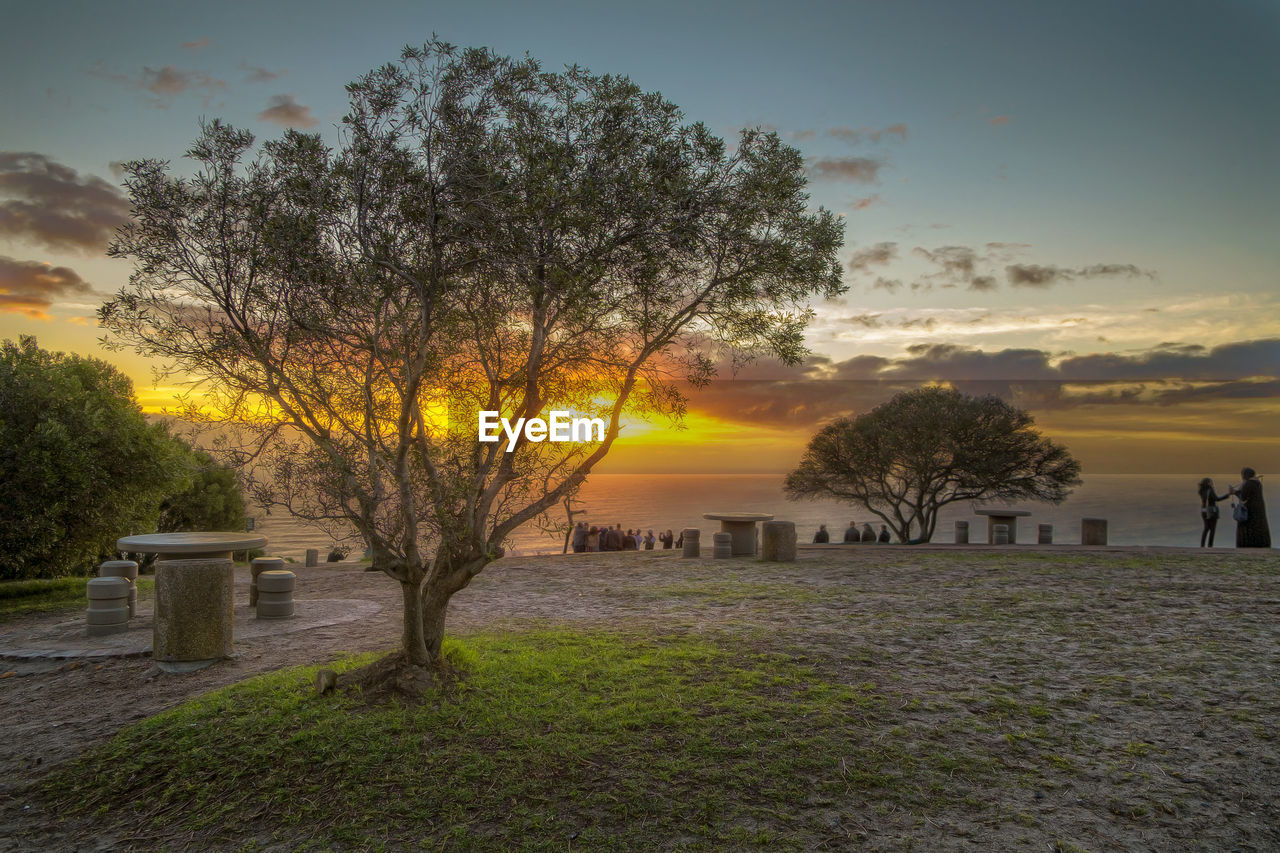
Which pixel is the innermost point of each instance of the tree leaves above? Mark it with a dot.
(926, 448)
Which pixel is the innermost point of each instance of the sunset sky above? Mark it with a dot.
(1076, 205)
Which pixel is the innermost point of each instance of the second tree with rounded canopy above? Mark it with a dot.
(924, 449)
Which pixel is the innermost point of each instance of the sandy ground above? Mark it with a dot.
(1170, 660)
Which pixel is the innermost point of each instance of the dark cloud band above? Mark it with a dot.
(45, 202)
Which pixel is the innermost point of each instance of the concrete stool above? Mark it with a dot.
(128, 570)
(692, 542)
(313, 558)
(1093, 531)
(722, 545)
(1000, 533)
(275, 594)
(195, 612)
(108, 611)
(1045, 534)
(962, 533)
(779, 538)
(257, 566)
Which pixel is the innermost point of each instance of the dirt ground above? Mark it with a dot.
(1166, 662)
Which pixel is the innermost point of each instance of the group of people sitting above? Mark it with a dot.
(853, 534)
(591, 539)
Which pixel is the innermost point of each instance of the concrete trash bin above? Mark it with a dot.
(275, 594)
(692, 542)
(108, 611)
(778, 541)
(722, 545)
(1001, 534)
(128, 570)
(256, 567)
(962, 533)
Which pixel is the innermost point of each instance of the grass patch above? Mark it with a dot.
(553, 738)
(40, 596)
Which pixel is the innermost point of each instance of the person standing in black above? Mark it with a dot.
(822, 536)
(1209, 510)
(1253, 532)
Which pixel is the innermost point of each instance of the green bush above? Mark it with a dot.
(79, 465)
(213, 500)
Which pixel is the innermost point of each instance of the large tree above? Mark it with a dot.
(924, 449)
(79, 464)
(485, 236)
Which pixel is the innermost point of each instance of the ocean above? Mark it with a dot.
(1141, 509)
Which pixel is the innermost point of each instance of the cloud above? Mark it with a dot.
(46, 202)
(1246, 359)
(802, 135)
(966, 266)
(196, 45)
(169, 81)
(166, 83)
(30, 287)
(1168, 362)
(878, 255)
(771, 394)
(864, 170)
(999, 120)
(258, 74)
(866, 201)
(1114, 269)
(890, 285)
(867, 321)
(899, 130)
(957, 263)
(1036, 275)
(926, 362)
(856, 135)
(285, 111)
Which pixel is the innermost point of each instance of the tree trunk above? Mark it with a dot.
(434, 606)
(417, 648)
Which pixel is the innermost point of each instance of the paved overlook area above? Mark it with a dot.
(1158, 670)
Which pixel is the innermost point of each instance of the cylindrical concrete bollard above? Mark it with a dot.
(108, 611)
(692, 542)
(1046, 534)
(1000, 534)
(962, 533)
(256, 567)
(1093, 531)
(128, 570)
(195, 608)
(779, 542)
(313, 558)
(275, 594)
(722, 547)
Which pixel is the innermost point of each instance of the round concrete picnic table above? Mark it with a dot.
(742, 527)
(195, 594)
(191, 546)
(1002, 515)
